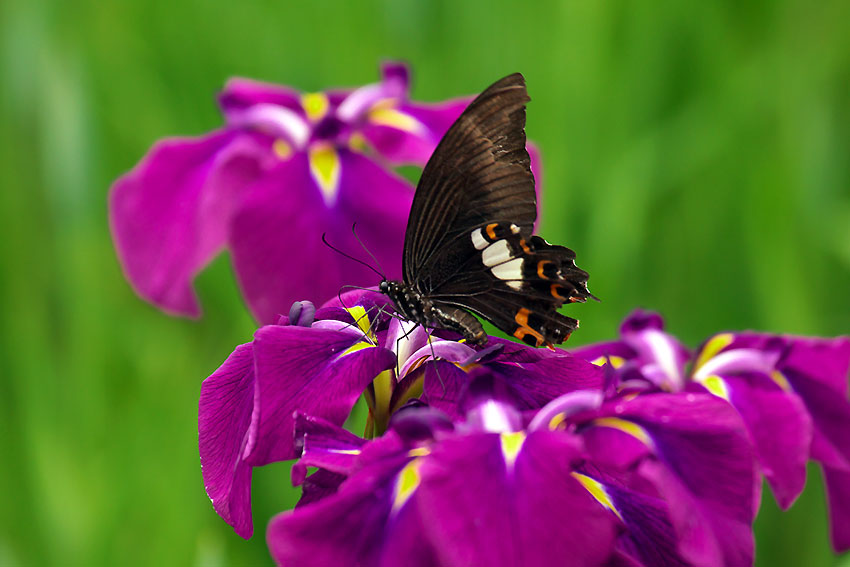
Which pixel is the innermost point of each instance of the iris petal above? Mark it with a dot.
(224, 417)
(169, 215)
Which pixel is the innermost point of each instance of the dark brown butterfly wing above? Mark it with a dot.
(516, 284)
(469, 240)
(479, 173)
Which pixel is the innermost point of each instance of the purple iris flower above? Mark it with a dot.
(318, 363)
(791, 392)
(285, 168)
(581, 481)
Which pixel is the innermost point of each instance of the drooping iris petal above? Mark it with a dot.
(779, 425)
(369, 519)
(276, 235)
(307, 370)
(831, 416)
(838, 497)
(650, 534)
(169, 215)
(224, 417)
(705, 470)
(348, 527)
(514, 503)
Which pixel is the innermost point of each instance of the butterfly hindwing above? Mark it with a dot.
(516, 283)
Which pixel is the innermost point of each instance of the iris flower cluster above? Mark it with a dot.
(284, 168)
(633, 452)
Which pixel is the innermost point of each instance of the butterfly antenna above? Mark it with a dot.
(351, 286)
(369, 252)
(349, 256)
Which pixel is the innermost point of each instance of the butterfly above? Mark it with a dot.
(469, 247)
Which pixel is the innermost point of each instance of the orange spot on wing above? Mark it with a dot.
(553, 289)
(491, 230)
(525, 247)
(524, 330)
(541, 265)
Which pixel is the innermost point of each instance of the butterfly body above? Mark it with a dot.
(469, 246)
(411, 305)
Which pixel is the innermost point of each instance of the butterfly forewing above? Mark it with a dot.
(480, 173)
(469, 242)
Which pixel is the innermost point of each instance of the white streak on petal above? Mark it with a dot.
(275, 120)
(359, 102)
(664, 353)
(494, 419)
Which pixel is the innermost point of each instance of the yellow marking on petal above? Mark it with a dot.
(419, 452)
(714, 345)
(625, 426)
(613, 360)
(383, 387)
(716, 385)
(511, 445)
(315, 105)
(414, 390)
(355, 347)
(557, 420)
(394, 118)
(780, 379)
(598, 492)
(407, 482)
(344, 451)
(282, 149)
(357, 142)
(358, 313)
(325, 167)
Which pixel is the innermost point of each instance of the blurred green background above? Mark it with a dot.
(696, 156)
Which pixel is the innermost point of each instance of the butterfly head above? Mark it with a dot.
(408, 303)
